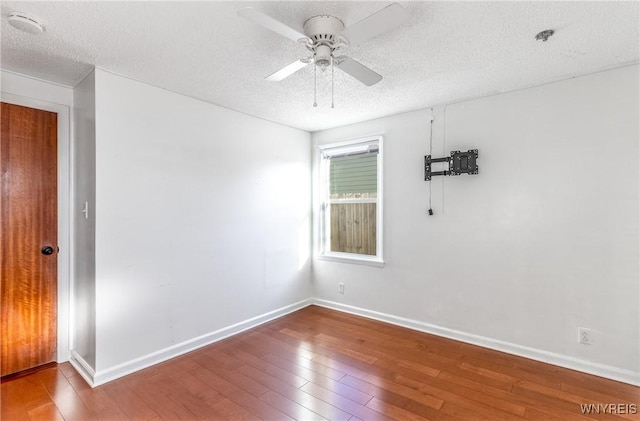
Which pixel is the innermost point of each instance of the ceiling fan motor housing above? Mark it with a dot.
(323, 30)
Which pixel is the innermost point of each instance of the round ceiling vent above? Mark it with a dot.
(25, 22)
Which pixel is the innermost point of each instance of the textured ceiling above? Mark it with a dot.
(446, 51)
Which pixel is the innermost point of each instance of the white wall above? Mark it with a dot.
(542, 241)
(84, 162)
(202, 219)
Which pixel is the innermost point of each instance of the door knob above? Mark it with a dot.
(47, 250)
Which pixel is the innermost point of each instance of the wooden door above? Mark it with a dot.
(28, 212)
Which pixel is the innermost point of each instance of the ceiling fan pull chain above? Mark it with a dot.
(331, 80)
(315, 82)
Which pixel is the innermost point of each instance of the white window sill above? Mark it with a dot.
(357, 259)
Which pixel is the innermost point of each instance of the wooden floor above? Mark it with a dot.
(321, 364)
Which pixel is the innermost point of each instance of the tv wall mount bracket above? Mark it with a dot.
(459, 163)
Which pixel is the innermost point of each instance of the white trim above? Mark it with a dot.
(37, 79)
(95, 379)
(344, 145)
(358, 259)
(82, 367)
(128, 367)
(64, 211)
(602, 370)
(321, 246)
(364, 200)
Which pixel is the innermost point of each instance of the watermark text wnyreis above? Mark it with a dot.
(609, 408)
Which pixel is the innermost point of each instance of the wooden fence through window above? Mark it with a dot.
(353, 228)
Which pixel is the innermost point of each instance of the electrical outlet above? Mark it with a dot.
(584, 336)
(341, 287)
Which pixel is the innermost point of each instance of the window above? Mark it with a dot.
(351, 205)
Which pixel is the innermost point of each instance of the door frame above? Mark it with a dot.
(64, 212)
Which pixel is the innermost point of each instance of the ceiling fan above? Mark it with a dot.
(326, 38)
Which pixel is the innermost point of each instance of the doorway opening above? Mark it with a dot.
(63, 222)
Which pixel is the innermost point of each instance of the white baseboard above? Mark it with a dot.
(610, 372)
(112, 373)
(82, 367)
(103, 376)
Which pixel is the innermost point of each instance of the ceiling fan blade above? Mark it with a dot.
(380, 22)
(287, 71)
(359, 71)
(270, 23)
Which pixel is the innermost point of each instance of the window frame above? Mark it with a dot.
(325, 202)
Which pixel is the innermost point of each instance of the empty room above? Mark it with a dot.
(320, 210)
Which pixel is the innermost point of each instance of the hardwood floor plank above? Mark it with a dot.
(247, 346)
(298, 395)
(499, 380)
(208, 356)
(237, 395)
(449, 387)
(270, 369)
(64, 396)
(560, 401)
(448, 392)
(604, 386)
(348, 367)
(270, 382)
(128, 401)
(46, 412)
(156, 391)
(543, 411)
(258, 407)
(12, 407)
(537, 415)
(486, 409)
(347, 405)
(215, 364)
(229, 410)
(289, 407)
(393, 411)
(267, 339)
(310, 372)
(392, 393)
(551, 392)
(470, 413)
(294, 380)
(486, 390)
(590, 396)
(67, 370)
(403, 390)
(421, 368)
(195, 386)
(344, 390)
